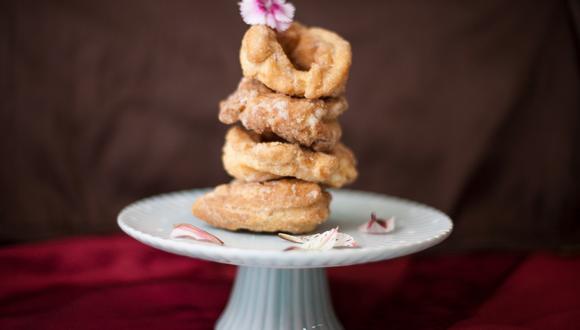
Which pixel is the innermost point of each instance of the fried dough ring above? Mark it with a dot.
(247, 158)
(301, 61)
(287, 205)
(311, 123)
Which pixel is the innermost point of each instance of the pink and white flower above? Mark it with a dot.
(277, 14)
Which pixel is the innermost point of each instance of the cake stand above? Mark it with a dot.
(274, 289)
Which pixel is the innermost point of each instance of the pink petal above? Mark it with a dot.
(378, 226)
(185, 230)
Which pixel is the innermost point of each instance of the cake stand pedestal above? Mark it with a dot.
(270, 298)
(275, 289)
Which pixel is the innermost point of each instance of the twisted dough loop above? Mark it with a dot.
(287, 205)
(246, 158)
(311, 123)
(301, 61)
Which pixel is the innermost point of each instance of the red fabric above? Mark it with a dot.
(117, 283)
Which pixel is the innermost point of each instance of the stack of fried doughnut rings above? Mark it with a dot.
(287, 147)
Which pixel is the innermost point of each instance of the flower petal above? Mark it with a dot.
(185, 230)
(378, 226)
(324, 241)
(252, 12)
(292, 238)
(287, 10)
(345, 240)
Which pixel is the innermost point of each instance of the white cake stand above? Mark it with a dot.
(286, 290)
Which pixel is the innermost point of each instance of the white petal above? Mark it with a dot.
(291, 238)
(322, 242)
(345, 240)
(251, 12)
(285, 13)
(283, 26)
(288, 9)
(271, 21)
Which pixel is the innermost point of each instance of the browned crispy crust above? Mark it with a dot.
(311, 123)
(287, 205)
(247, 158)
(301, 61)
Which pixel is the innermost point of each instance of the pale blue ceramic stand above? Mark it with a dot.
(286, 290)
(268, 298)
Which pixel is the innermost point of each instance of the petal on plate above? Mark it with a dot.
(185, 230)
(378, 226)
(323, 241)
(300, 239)
(292, 238)
(345, 241)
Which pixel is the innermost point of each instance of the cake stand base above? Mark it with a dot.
(270, 298)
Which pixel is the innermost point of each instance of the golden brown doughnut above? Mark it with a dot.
(301, 61)
(246, 157)
(311, 123)
(287, 205)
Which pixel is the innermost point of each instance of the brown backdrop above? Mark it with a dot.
(470, 106)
